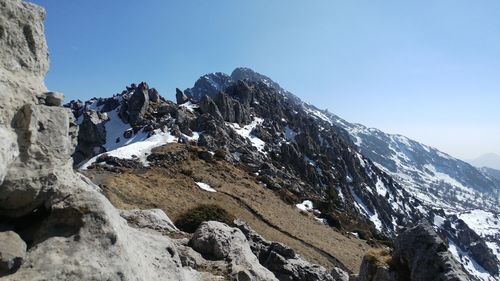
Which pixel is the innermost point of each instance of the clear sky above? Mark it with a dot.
(428, 69)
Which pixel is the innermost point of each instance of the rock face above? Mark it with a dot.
(419, 254)
(70, 229)
(218, 241)
(425, 254)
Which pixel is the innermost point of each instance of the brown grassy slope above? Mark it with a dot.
(172, 188)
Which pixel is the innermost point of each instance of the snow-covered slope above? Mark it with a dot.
(433, 176)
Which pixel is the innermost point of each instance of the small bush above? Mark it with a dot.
(190, 220)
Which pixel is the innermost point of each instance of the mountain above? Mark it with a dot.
(490, 160)
(314, 207)
(355, 179)
(431, 175)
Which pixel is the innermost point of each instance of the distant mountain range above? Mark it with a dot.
(490, 160)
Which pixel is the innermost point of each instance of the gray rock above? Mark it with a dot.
(426, 255)
(180, 97)
(74, 231)
(207, 105)
(54, 98)
(218, 241)
(91, 137)
(281, 259)
(154, 219)
(153, 94)
(138, 104)
(12, 252)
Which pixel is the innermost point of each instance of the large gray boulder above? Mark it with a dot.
(426, 255)
(218, 241)
(12, 252)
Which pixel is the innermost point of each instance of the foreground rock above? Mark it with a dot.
(71, 230)
(282, 260)
(218, 241)
(419, 255)
(12, 252)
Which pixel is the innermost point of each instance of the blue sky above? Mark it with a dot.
(427, 69)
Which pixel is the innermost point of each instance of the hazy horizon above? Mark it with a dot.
(427, 70)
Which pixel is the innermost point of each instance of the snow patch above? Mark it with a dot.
(246, 132)
(205, 187)
(138, 150)
(307, 205)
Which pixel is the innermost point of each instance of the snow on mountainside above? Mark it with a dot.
(441, 182)
(355, 175)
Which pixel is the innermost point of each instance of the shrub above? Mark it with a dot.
(190, 220)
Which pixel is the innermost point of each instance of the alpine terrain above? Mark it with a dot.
(238, 179)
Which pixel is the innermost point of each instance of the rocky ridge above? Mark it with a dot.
(59, 226)
(294, 146)
(55, 224)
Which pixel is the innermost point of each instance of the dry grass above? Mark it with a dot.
(172, 189)
(379, 257)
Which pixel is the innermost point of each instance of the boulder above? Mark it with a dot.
(426, 255)
(54, 99)
(154, 219)
(218, 241)
(12, 252)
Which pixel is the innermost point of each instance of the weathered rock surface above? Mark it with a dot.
(12, 252)
(218, 241)
(54, 99)
(71, 230)
(419, 255)
(281, 259)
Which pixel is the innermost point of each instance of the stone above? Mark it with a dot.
(154, 219)
(281, 259)
(91, 137)
(153, 94)
(180, 97)
(12, 252)
(54, 99)
(219, 241)
(426, 255)
(138, 104)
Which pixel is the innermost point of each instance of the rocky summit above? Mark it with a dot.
(238, 179)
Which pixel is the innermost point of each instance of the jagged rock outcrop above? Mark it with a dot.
(420, 254)
(465, 238)
(425, 254)
(209, 85)
(180, 97)
(91, 136)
